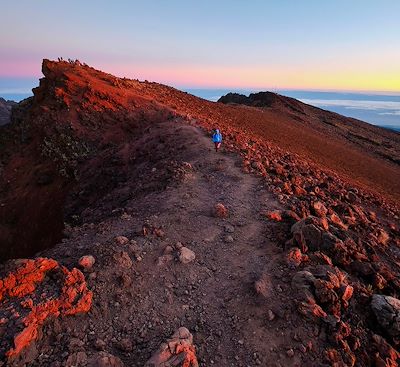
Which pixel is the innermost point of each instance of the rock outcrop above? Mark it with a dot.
(33, 292)
(177, 351)
(387, 312)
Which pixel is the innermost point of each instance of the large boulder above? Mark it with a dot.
(177, 351)
(307, 233)
(320, 291)
(387, 312)
(21, 294)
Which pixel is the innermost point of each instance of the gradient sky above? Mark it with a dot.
(308, 44)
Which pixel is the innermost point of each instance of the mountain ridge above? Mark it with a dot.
(261, 250)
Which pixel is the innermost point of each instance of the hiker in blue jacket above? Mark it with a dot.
(217, 139)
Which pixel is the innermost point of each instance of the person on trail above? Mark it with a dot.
(217, 139)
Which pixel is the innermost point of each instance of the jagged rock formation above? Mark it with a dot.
(33, 291)
(176, 351)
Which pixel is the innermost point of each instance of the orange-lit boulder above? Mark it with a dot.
(66, 294)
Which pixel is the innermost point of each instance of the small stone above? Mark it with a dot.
(295, 257)
(274, 215)
(257, 165)
(104, 359)
(121, 240)
(125, 280)
(87, 262)
(387, 312)
(76, 359)
(220, 211)
(229, 228)
(352, 197)
(176, 351)
(383, 237)
(271, 315)
(186, 255)
(168, 250)
(100, 344)
(165, 259)
(319, 209)
(228, 239)
(290, 353)
(125, 345)
(262, 287)
(123, 259)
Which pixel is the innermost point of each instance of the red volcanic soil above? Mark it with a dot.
(364, 153)
(283, 249)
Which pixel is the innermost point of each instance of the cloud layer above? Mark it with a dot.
(381, 107)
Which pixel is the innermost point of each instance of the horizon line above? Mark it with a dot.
(247, 88)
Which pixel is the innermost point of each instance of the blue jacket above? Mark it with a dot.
(217, 137)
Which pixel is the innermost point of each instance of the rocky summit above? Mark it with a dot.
(126, 240)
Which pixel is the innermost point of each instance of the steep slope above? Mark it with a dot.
(357, 165)
(370, 139)
(76, 113)
(266, 255)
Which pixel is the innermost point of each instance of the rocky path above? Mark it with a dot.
(214, 295)
(234, 296)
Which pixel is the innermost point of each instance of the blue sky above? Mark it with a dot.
(321, 45)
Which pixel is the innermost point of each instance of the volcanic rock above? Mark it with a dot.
(387, 355)
(295, 257)
(176, 351)
(123, 259)
(262, 286)
(274, 215)
(387, 312)
(186, 255)
(69, 296)
(229, 228)
(220, 211)
(76, 359)
(306, 233)
(104, 359)
(228, 239)
(383, 237)
(319, 209)
(121, 240)
(87, 262)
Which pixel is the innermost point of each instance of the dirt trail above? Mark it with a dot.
(141, 297)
